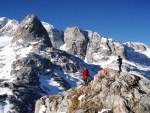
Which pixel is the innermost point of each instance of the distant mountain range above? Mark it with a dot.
(37, 59)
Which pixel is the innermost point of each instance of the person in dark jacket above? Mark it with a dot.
(119, 60)
(86, 74)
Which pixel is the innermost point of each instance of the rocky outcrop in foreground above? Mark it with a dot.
(117, 93)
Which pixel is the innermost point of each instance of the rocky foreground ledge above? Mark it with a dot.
(110, 91)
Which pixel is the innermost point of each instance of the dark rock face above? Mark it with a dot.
(118, 93)
(31, 29)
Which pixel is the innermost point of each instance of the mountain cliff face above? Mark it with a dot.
(87, 44)
(76, 41)
(39, 60)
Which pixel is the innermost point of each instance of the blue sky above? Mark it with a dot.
(121, 20)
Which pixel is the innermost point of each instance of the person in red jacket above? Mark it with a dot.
(86, 74)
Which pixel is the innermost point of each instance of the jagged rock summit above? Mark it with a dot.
(31, 29)
(115, 92)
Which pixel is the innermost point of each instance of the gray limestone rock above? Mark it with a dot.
(87, 45)
(76, 41)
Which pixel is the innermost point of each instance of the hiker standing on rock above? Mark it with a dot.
(120, 63)
(86, 74)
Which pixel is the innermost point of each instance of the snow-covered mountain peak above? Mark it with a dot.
(7, 27)
(3, 19)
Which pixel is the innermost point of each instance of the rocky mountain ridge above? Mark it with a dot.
(86, 44)
(41, 60)
(115, 92)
